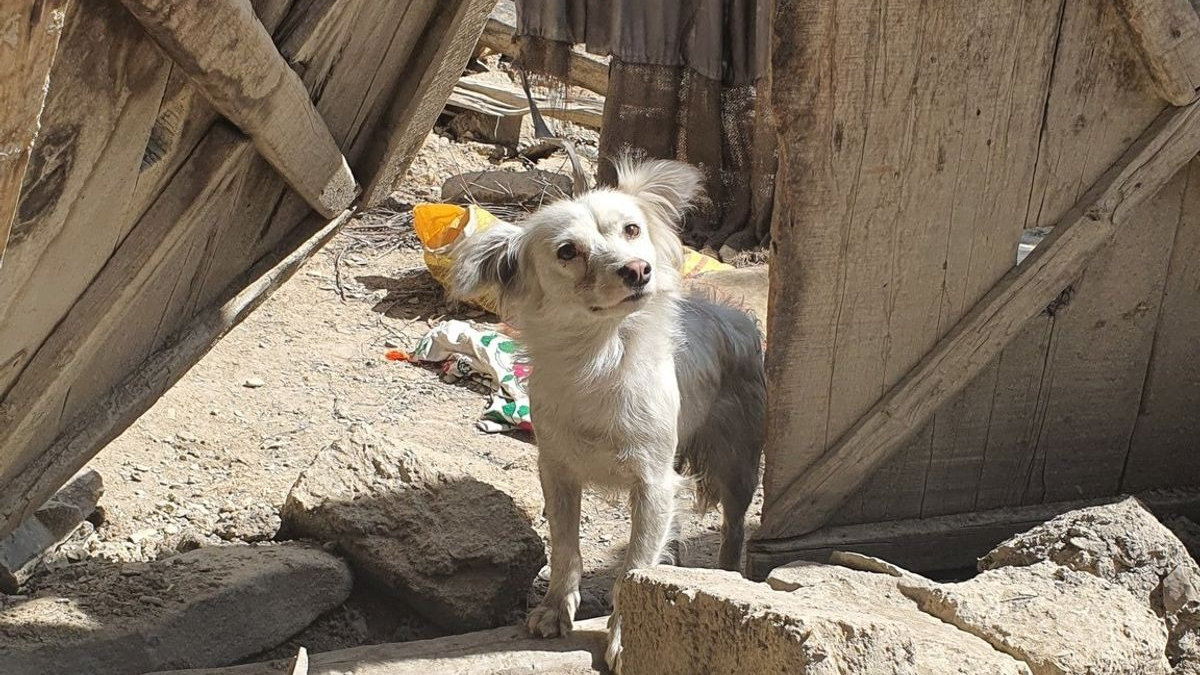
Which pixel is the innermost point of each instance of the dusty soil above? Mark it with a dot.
(213, 460)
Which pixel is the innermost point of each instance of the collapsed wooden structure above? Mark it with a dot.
(928, 397)
(164, 166)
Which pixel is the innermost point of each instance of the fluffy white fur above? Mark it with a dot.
(594, 285)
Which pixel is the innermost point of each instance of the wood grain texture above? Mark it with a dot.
(105, 90)
(443, 52)
(988, 447)
(230, 58)
(29, 35)
(1163, 447)
(812, 497)
(905, 164)
(1168, 34)
(950, 543)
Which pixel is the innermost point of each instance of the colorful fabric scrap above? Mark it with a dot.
(486, 356)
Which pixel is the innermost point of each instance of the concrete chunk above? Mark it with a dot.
(209, 607)
(49, 526)
(1058, 621)
(938, 648)
(680, 621)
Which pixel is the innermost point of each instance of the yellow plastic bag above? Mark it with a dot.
(439, 226)
(696, 263)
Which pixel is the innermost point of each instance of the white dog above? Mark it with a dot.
(632, 383)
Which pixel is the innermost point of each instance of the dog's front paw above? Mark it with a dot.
(552, 619)
(612, 656)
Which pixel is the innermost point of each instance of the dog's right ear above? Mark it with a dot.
(485, 261)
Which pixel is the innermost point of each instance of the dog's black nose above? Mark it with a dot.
(636, 273)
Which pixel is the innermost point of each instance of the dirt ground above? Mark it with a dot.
(213, 460)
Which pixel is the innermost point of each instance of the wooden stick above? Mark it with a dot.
(583, 70)
(29, 34)
(809, 500)
(229, 56)
(1168, 34)
(104, 421)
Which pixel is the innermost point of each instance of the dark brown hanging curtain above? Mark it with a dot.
(688, 80)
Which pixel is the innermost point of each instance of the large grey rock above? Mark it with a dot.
(1058, 621)
(49, 526)
(460, 551)
(678, 621)
(501, 651)
(937, 647)
(1125, 544)
(209, 607)
(506, 187)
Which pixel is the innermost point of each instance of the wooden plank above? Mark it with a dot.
(442, 54)
(1162, 449)
(229, 56)
(105, 90)
(894, 198)
(107, 418)
(1168, 34)
(583, 70)
(497, 99)
(945, 544)
(29, 35)
(816, 492)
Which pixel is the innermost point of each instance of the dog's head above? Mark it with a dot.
(603, 254)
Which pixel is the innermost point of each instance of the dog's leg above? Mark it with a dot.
(556, 615)
(652, 504)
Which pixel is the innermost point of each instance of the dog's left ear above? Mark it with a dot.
(668, 186)
(665, 189)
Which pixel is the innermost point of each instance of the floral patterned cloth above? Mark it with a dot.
(489, 357)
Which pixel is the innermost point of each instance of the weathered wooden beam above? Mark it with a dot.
(228, 54)
(942, 543)
(819, 489)
(29, 34)
(583, 70)
(105, 420)
(440, 57)
(1167, 33)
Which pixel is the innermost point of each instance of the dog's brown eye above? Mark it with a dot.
(632, 230)
(567, 252)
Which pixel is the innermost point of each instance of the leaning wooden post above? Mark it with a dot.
(819, 489)
(29, 33)
(228, 54)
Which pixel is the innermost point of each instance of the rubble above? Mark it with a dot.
(49, 526)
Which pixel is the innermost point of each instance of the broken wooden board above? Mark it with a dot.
(229, 56)
(488, 96)
(440, 57)
(29, 35)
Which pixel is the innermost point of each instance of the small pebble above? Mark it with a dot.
(152, 600)
(254, 383)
